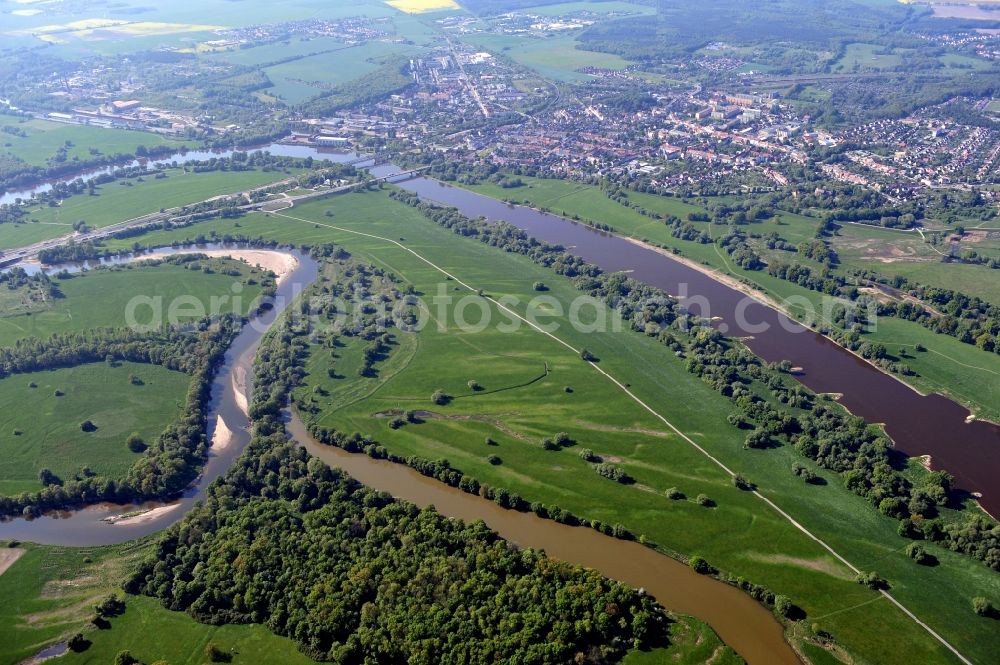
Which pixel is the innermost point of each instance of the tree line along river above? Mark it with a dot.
(741, 622)
(918, 424)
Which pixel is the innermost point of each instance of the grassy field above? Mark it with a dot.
(942, 369)
(739, 535)
(49, 594)
(22, 235)
(556, 58)
(41, 429)
(956, 61)
(307, 77)
(961, 371)
(691, 643)
(588, 202)
(152, 633)
(860, 57)
(100, 298)
(126, 199)
(551, 194)
(265, 53)
(44, 138)
(893, 253)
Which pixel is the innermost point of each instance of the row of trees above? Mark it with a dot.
(967, 318)
(18, 175)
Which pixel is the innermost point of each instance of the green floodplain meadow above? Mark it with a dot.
(525, 377)
(961, 371)
(739, 535)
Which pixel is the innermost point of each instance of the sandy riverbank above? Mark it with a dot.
(240, 388)
(223, 436)
(146, 516)
(280, 263)
(761, 297)
(767, 300)
(714, 273)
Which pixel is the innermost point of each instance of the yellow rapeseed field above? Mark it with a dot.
(420, 6)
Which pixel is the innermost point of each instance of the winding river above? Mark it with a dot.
(89, 526)
(182, 157)
(741, 622)
(918, 424)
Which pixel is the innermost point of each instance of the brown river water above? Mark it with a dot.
(87, 526)
(740, 621)
(918, 424)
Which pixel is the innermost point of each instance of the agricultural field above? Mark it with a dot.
(100, 298)
(599, 7)
(558, 58)
(194, 12)
(268, 53)
(79, 49)
(422, 6)
(41, 415)
(44, 139)
(300, 79)
(133, 26)
(107, 29)
(129, 198)
(524, 377)
(967, 9)
(861, 57)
